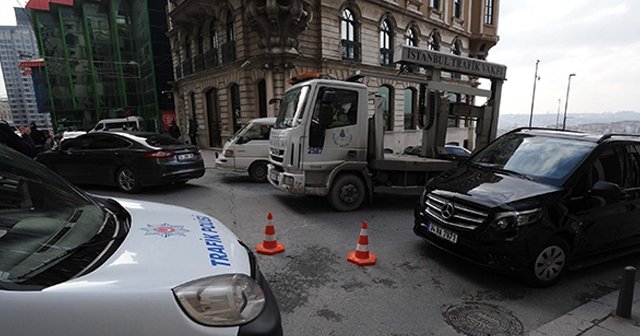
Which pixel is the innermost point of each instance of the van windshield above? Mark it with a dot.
(541, 158)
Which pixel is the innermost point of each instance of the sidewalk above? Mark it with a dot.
(596, 318)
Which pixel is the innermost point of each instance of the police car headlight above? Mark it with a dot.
(511, 219)
(221, 300)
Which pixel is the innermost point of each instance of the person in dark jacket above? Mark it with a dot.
(174, 130)
(193, 132)
(39, 138)
(23, 144)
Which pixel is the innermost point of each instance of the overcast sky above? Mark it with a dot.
(597, 40)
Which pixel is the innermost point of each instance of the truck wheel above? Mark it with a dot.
(549, 263)
(258, 172)
(347, 193)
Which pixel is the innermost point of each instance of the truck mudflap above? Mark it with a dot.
(293, 183)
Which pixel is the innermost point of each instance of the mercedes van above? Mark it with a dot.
(248, 149)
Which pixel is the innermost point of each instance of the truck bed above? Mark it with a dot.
(411, 163)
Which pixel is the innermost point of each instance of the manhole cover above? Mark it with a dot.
(478, 319)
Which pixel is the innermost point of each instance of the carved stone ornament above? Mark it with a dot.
(278, 23)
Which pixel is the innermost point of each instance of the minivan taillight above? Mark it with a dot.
(160, 154)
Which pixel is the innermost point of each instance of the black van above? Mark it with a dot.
(536, 201)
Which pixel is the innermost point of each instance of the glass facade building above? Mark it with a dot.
(17, 44)
(99, 59)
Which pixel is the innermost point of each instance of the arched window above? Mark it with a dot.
(386, 92)
(212, 53)
(262, 98)
(200, 36)
(386, 43)
(456, 49)
(434, 41)
(229, 48)
(187, 47)
(488, 12)
(349, 46)
(412, 38)
(213, 34)
(234, 106)
(410, 108)
(192, 102)
(457, 8)
(187, 64)
(231, 33)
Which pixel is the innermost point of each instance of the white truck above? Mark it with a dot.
(326, 141)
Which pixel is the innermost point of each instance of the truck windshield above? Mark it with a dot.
(543, 159)
(292, 107)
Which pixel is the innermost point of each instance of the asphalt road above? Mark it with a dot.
(414, 288)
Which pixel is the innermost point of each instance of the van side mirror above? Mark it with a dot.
(609, 191)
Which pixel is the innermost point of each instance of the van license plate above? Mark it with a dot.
(185, 157)
(442, 233)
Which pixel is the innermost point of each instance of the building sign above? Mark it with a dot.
(450, 63)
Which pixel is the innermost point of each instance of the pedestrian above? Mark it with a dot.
(193, 132)
(23, 144)
(174, 130)
(39, 138)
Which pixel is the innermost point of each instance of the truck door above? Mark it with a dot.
(342, 140)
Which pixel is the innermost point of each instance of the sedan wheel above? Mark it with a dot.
(127, 180)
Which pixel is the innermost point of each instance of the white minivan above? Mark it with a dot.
(132, 123)
(248, 149)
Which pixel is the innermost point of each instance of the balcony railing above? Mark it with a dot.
(187, 68)
(199, 62)
(229, 52)
(350, 50)
(211, 58)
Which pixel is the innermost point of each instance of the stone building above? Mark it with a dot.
(231, 57)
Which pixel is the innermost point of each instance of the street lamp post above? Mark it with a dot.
(533, 97)
(558, 115)
(566, 101)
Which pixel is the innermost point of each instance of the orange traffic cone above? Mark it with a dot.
(269, 245)
(361, 255)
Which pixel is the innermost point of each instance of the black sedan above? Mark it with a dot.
(129, 160)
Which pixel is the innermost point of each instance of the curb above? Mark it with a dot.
(596, 317)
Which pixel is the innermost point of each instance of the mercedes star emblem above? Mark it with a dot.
(447, 210)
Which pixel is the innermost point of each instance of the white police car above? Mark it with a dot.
(74, 264)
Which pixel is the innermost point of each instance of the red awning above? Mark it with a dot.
(32, 63)
(62, 2)
(44, 4)
(38, 5)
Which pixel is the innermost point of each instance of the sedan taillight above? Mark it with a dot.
(160, 154)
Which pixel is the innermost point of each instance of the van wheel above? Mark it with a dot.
(127, 180)
(258, 172)
(548, 264)
(347, 193)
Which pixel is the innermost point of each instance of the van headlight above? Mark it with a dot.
(510, 219)
(221, 300)
(228, 153)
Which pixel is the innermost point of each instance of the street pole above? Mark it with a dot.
(558, 115)
(533, 97)
(566, 102)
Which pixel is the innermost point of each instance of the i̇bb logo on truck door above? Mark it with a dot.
(342, 138)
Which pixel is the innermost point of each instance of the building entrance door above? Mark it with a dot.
(213, 113)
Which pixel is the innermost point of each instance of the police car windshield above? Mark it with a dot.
(292, 107)
(41, 217)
